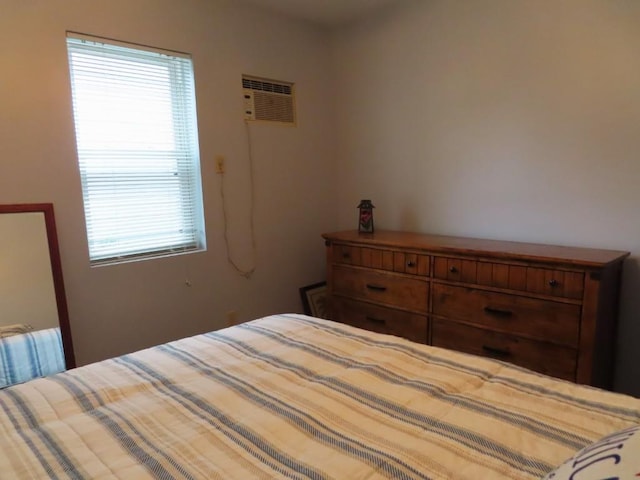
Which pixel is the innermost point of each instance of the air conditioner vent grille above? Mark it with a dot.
(266, 86)
(276, 108)
(268, 100)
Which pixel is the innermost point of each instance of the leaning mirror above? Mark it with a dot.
(35, 338)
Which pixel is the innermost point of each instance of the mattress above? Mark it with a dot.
(291, 396)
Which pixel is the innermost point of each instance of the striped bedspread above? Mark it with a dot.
(290, 396)
(30, 355)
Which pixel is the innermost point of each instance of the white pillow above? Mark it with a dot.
(614, 457)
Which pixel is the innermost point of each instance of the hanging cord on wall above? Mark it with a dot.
(245, 273)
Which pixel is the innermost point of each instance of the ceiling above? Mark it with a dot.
(325, 13)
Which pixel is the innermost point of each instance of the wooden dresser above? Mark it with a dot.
(548, 308)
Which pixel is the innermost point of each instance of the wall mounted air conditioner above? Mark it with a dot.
(268, 100)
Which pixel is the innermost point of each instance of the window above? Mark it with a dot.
(136, 133)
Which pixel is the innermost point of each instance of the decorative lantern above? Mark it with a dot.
(365, 221)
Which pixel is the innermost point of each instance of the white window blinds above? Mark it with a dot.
(136, 133)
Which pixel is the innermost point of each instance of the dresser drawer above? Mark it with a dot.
(379, 319)
(544, 281)
(382, 259)
(534, 318)
(347, 254)
(379, 287)
(539, 356)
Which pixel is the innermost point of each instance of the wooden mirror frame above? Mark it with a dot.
(56, 270)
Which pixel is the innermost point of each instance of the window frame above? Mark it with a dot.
(187, 230)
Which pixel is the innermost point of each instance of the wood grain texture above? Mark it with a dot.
(534, 318)
(381, 319)
(381, 287)
(497, 249)
(536, 355)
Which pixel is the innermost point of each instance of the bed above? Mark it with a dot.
(292, 396)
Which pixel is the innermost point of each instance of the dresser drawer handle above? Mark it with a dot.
(453, 269)
(411, 264)
(498, 312)
(375, 320)
(377, 288)
(346, 255)
(502, 352)
(554, 283)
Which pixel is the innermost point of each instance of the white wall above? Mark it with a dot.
(514, 120)
(121, 308)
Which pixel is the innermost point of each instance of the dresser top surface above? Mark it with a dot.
(588, 257)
